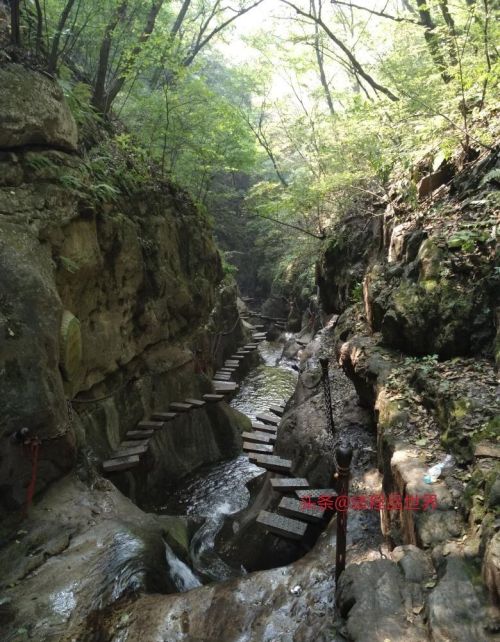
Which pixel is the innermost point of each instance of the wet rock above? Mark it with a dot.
(259, 607)
(79, 551)
(44, 121)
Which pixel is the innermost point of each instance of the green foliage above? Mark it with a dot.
(357, 293)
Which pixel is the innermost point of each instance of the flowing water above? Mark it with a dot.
(219, 490)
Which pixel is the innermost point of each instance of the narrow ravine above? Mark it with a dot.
(217, 491)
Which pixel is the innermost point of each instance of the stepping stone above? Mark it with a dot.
(256, 425)
(213, 398)
(285, 484)
(150, 425)
(272, 462)
(163, 416)
(125, 463)
(139, 434)
(180, 406)
(316, 492)
(134, 444)
(259, 437)
(277, 410)
(197, 403)
(126, 452)
(294, 508)
(280, 525)
(267, 419)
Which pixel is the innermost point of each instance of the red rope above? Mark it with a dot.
(33, 448)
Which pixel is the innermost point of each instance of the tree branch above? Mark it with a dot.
(200, 45)
(381, 14)
(294, 227)
(354, 63)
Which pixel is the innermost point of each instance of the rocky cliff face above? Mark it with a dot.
(104, 294)
(420, 342)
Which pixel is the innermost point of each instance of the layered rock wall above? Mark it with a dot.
(110, 300)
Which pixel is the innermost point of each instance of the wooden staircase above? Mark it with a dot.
(130, 452)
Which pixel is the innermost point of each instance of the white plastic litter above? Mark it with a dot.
(435, 472)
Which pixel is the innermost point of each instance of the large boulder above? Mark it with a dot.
(33, 111)
(31, 388)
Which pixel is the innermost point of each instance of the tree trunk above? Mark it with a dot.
(320, 60)
(99, 98)
(432, 39)
(450, 23)
(122, 77)
(54, 50)
(15, 23)
(39, 26)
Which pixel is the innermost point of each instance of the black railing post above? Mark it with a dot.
(343, 456)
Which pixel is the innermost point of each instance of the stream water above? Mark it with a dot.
(216, 491)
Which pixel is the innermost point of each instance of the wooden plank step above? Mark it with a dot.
(133, 443)
(258, 437)
(231, 362)
(163, 416)
(179, 406)
(316, 492)
(251, 346)
(127, 452)
(267, 419)
(285, 484)
(294, 508)
(277, 410)
(237, 357)
(227, 385)
(197, 403)
(228, 369)
(257, 448)
(223, 389)
(150, 425)
(257, 425)
(272, 462)
(139, 434)
(222, 377)
(264, 437)
(280, 525)
(213, 398)
(259, 326)
(125, 463)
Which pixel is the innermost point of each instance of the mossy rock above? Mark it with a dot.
(70, 346)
